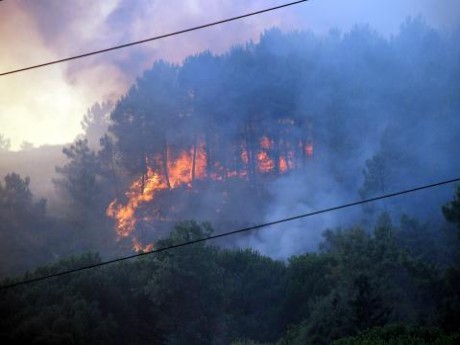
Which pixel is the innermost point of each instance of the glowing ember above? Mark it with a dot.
(266, 164)
(138, 247)
(266, 143)
(309, 149)
(283, 164)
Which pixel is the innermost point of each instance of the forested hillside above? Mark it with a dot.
(394, 287)
(289, 124)
(235, 134)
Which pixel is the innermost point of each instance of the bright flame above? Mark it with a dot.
(265, 162)
(180, 172)
(138, 247)
(125, 215)
(182, 169)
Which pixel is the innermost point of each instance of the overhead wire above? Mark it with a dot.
(126, 45)
(229, 233)
(212, 237)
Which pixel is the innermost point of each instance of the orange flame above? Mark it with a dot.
(180, 172)
(182, 169)
(265, 162)
(138, 247)
(125, 215)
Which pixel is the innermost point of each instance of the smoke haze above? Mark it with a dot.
(54, 99)
(344, 97)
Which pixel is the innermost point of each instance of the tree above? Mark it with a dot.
(386, 168)
(451, 210)
(450, 305)
(255, 286)
(188, 290)
(22, 225)
(308, 279)
(363, 293)
(108, 159)
(96, 122)
(81, 186)
(59, 311)
(400, 334)
(5, 143)
(78, 178)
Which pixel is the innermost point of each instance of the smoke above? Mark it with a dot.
(54, 29)
(82, 27)
(411, 121)
(55, 98)
(348, 96)
(299, 193)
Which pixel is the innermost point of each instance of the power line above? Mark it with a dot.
(152, 38)
(234, 232)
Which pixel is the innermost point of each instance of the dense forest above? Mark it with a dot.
(293, 122)
(386, 285)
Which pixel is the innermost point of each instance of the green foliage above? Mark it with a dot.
(308, 278)
(23, 221)
(363, 293)
(248, 342)
(450, 302)
(400, 334)
(186, 283)
(426, 241)
(82, 185)
(199, 294)
(78, 177)
(255, 287)
(451, 210)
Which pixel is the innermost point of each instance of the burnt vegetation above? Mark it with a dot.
(293, 122)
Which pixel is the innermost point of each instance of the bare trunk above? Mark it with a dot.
(276, 154)
(114, 177)
(208, 155)
(165, 163)
(194, 157)
(252, 165)
(144, 172)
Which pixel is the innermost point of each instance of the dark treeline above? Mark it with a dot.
(364, 286)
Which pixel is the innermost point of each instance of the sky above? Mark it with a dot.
(46, 105)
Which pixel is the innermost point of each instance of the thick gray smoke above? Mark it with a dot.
(381, 115)
(353, 114)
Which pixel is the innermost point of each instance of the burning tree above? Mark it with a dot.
(182, 125)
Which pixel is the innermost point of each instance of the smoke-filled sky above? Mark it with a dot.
(45, 106)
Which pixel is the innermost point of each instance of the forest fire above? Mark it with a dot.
(182, 169)
(125, 215)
